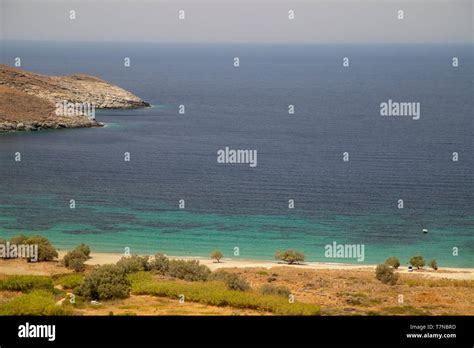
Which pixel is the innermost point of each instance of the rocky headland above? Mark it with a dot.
(29, 101)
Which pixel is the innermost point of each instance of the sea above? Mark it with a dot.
(355, 177)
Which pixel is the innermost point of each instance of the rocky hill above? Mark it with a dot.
(29, 101)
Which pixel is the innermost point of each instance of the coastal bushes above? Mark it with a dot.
(189, 270)
(417, 261)
(386, 274)
(160, 264)
(290, 256)
(77, 265)
(105, 283)
(25, 283)
(217, 294)
(75, 259)
(134, 263)
(268, 289)
(393, 262)
(46, 252)
(37, 302)
(231, 280)
(69, 281)
(110, 281)
(84, 249)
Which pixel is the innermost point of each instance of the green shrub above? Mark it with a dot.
(393, 262)
(268, 289)
(434, 264)
(20, 239)
(290, 256)
(231, 280)
(105, 283)
(37, 302)
(385, 274)
(189, 270)
(75, 260)
(234, 282)
(133, 263)
(26, 283)
(77, 265)
(69, 281)
(85, 249)
(217, 255)
(46, 252)
(160, 264)
(216, 293)
(417, 261)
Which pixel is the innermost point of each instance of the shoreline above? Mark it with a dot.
(21, 267)
(101, 258)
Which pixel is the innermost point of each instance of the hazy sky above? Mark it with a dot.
(316, 21)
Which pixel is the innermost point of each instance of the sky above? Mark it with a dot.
(239, 21)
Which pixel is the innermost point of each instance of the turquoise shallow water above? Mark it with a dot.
(177, 232)
(135, 204)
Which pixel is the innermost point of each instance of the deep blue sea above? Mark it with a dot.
(135, 204)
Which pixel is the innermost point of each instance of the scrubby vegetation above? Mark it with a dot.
(68, 281)
(84, 249)
(105, 283)
(75, 259)
(417, 261)
(268, 289)
(290, 256)
(359, 299)
(385, 274)
(189, 270)
(160, 264)
(37, 295)
(231, 280)
(25, 283)
(46, 252)
(217, 294)
(134, 263)
(437, 283)
(393, 261)
(37, 302)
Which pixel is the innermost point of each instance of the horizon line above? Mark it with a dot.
(267, 43)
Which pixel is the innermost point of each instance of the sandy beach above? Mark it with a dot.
(448, 272)
(97, 258)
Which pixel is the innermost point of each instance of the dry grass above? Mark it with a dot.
(152, 305)
(357, 292)
(16, 106)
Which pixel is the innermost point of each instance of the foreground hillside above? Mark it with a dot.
(334, 291)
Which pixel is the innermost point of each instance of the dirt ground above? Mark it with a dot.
(357, 292)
